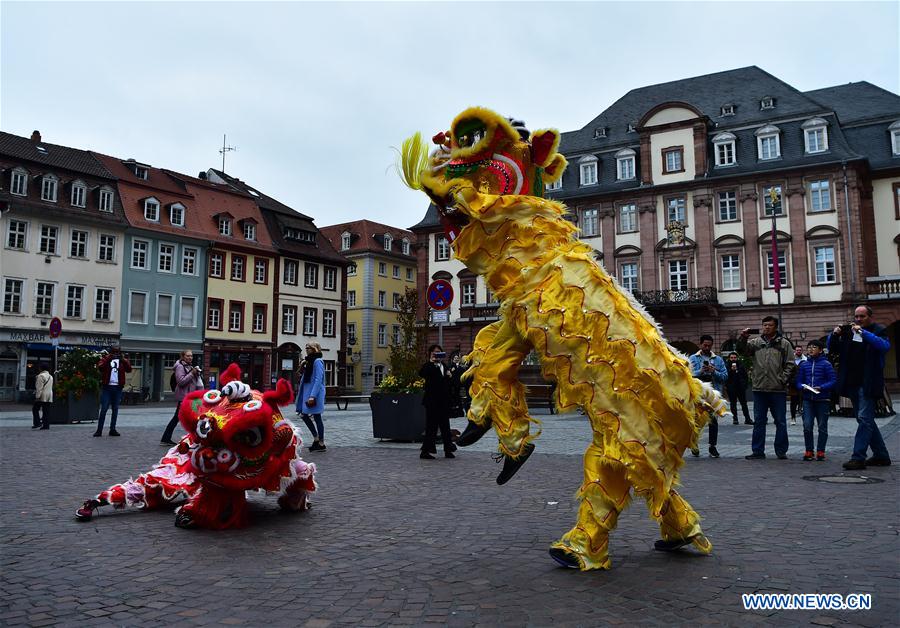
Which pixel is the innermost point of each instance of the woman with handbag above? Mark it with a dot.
(311, 394)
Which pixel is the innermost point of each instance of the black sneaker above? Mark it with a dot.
(35, 427)
(781, 456)
(316, 446)
(735, 422)
(168, 443)
(510, 465)
(755, 457)
(426, 456)
(98, 434)
(672, 545)
(87, 510)
(473, 433)
(748, 422)
(114, 433)
(565, 558)
(878, 462)
(854, 465)
(713, 452)
(449, 454)
(695, 453)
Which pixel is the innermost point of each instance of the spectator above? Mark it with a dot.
(311, 395)
(815, 378)
(437, 403)
(186, 378)
(709, 367)
(737, 387)
(793, 392)
(43, 396)
(113, 367)
(457, 390)
(772, 364)
(862, 346)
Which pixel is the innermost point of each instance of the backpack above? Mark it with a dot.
(172, 383)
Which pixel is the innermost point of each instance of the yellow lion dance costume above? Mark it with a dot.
(604, 352)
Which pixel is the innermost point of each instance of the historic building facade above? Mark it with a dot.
(681, 188)
(382, 265)
(63, 231)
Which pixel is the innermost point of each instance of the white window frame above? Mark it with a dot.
(17, 235)
(18, 184)
(764, 134)
(258, 316)
(378, 374)
(409, 274)
(189, 254)
(826, 265)
(238, 262)
(217, 260)
(727, 199)
(236, 316)
(78, 194)
(98, 302)
(382, 269)
(291, 268)
(442, 248)
(727, 142)
(345, 241)
(351, 298)
(768, 207)
(678, 271)
(329, 319)
(289, 319)
(40, 298)
(49, 188)
(151, 209)
(310, 275)
(819, 193)
(395, 301)
(630, 210)
(382, 299)
(382, 335)
(214, 313)
(590, 222)
(467, 298)
(170, 256)
(894, 130)
(404, 246)
(181, 301)
(588, 170)
(770, 270)
(309, 321)
(171, 298)
(626, 169)
(49, 239)
(260, 265)
(388, 241)
(767, 103)
(629, 281)
(810, 134)
(351, 269)
(249, 231)
(329, 278)
(553, 185)
(18, 294)
(730, 273)
(224, 225)
(176, 207)
(395, 272)
(105, 200)
(395, 335)
(83, 244)
(679, 207)
(80, 300)
(673, 160)
(109, 246)
(134, 246)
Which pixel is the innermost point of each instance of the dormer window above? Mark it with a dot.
(723, 145)
(599, 132)
(79, 194)
(767, 102)
(49, 185)
(388, 241)
(404, 246)
(345, 241)
(140, 172)
(18, 184)
(673, 159)
(727, 110)
(151, 209)
(556, 185)
(632, 128)
(250, 231)
(894, 130)
(588, 169)
(768, 142)
(625, 164)
(224, 225)
(105, 200)
(176, 214)
(815, 135)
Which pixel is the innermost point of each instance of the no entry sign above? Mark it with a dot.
(55, 328)
(440, 294)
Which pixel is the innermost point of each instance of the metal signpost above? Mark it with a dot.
(439, 297)
(54, 331)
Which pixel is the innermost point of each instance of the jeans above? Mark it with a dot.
(762, 403)
(867, 432)
(317, 430)
(40, 408)
(735, 395)
(796, 403)
(110, 396)
(713, 430)
(817, 410)
(170, 428)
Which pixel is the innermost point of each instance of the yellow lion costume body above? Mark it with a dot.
(597, 344)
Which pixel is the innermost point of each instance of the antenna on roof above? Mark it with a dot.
(225, 149)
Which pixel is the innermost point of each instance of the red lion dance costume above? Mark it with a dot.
(237, 440)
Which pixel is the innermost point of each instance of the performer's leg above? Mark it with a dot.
(213, 508)
(679, 525)
(604, 494)
(296, 495)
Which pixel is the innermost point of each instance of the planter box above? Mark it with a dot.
(399, 416)
(73, 410)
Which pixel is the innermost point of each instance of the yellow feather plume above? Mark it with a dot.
(412, 161)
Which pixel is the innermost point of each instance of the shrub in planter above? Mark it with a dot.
(76, 388)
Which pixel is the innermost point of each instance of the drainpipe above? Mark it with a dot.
(851, 252)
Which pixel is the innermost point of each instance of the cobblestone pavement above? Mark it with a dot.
(395, 540)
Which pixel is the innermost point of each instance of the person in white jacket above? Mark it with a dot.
(43, 396)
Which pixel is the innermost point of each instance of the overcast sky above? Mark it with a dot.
(314, 95)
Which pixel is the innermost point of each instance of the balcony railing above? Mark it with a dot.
(479, 311)
(665, 298)
(884, 287)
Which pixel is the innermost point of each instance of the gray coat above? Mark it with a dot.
(773, 361)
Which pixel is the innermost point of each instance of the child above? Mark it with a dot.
(819, 377)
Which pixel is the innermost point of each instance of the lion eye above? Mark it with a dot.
(204, 427)
(251, 437)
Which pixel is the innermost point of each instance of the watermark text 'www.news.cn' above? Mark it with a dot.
(807, 601)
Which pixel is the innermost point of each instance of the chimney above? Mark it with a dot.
(202, 175)
(36, 137)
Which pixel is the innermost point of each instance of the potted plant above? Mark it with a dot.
(397, 411)
(76, 394)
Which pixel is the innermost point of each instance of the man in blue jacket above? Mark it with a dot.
(862, 347)
(815, 379)
(709, 367)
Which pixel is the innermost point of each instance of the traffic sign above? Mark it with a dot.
(440, 316)
(55, 327)
(440, 294)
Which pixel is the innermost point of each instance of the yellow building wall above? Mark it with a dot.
(247, 291)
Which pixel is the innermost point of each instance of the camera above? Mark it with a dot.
(440, 355)
(705, 376)
(753, 331)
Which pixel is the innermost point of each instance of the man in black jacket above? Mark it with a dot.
(437, 403)
(862, 347)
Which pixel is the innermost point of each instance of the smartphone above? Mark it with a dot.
(753, 331)
(440, 355)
